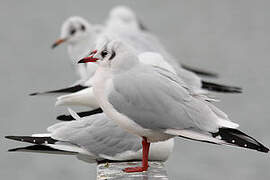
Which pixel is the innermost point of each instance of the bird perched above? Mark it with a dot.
(92, 139)
(156, 104)
(79, 35)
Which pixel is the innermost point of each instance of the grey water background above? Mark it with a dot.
(229, 37)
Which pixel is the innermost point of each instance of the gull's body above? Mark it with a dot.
(156, 104)
(122, 88)
(93, 139)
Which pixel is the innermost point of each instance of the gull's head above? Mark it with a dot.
(112, 53)
(73, 30)
(122, 17)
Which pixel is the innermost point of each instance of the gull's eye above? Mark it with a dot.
(82, 27)
(72, 31)
(104, 53)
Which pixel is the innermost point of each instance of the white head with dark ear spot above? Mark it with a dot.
(113, 54)
(122, 18)
(73, 30)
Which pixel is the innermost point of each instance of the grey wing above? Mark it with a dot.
(159, 100)
(98, 135)
(146, 42)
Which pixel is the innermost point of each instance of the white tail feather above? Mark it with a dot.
(194, 135)
(227, 124)
(73, 114)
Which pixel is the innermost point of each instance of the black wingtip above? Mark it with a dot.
(13, 138)
(71, 89)
(34, 94)
(33, 140)
(200, 72)
(221, 88)
(65, 118)
(15, 149)
(81, 114)
(37, 148)
(237, 138)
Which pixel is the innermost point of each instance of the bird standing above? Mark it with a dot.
(156, 104)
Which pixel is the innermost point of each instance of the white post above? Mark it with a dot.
(109, 171)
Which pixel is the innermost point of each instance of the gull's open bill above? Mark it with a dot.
(88, 59)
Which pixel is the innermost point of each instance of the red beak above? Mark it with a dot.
(88, 59)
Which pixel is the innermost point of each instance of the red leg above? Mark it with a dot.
(144, 167)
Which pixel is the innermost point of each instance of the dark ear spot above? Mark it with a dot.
(72, 31)
(112, 56)
(82, 27)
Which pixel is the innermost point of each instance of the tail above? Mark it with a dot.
(71, 89)
(220, 88)
(200, 72)
(81, 114)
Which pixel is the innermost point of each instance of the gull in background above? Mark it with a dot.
(122, 23)
(156, 104)
(80, 35)
(92, 139)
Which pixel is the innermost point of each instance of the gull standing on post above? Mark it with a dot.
(156, 104)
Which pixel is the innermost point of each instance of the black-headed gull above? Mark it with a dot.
(92, 139)
(122, 21)
(156, 104)
(79, 35)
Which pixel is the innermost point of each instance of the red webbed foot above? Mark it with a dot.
(135, 169)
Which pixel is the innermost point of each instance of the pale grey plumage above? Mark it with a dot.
(96, 134)
(157, 99)
(93, 138)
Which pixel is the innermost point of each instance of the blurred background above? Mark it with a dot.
(229, 37)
